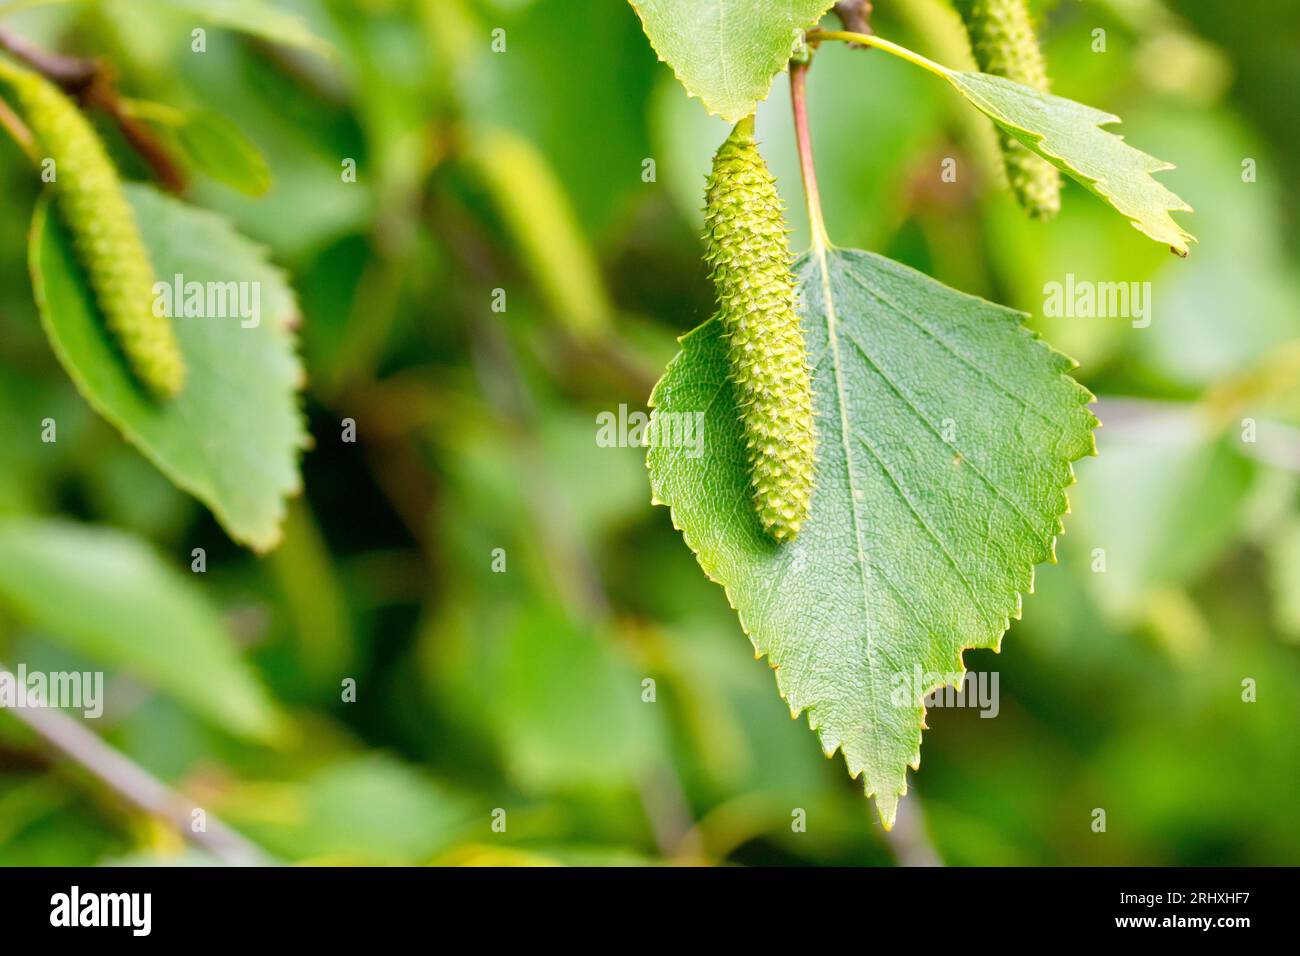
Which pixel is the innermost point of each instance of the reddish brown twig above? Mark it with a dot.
(856, 17)
(71, 73)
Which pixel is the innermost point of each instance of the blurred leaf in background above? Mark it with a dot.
(472, 327)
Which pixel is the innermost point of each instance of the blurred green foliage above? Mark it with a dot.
(479, 691)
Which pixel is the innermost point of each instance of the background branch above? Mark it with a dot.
(72, 74)
(16, 128)
(133, 783)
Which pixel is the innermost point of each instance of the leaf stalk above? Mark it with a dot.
(807, 170)
(880, 43)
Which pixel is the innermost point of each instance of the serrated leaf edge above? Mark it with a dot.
(1035, 142)
(886, 804)
(259, 543)
(695, 94)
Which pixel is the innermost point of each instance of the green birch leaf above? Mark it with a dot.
(233, 435)
(945, 436)
(1069, 135)
(726, 52)
(108, 596)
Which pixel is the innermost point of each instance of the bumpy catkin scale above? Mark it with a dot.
(1002, 37)
(105, 235)
(750, 256)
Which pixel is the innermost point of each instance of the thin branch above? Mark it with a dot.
(72, 74)
(133, 783)
(17, 129)
(1142, 419)
(669, 813)
(908, 840)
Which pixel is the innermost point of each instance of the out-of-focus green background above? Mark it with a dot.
(567, 170)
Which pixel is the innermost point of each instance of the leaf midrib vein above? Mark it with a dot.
(832, 338)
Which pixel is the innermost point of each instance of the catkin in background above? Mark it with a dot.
(750, 257)
(105, 234)
(1003, 40)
